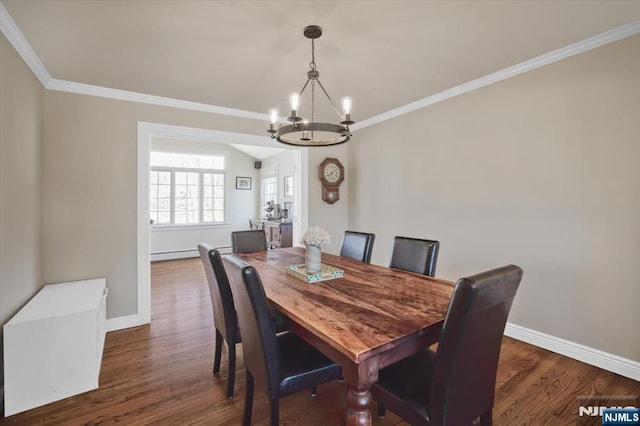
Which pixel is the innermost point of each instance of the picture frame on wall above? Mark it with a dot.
(243, 182)
(288, 186)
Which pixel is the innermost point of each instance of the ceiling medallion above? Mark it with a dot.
(308, 132)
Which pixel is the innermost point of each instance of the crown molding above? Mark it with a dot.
(15, 37)
(124, 95)
(22, 46)
(192, 133)
(607, 37)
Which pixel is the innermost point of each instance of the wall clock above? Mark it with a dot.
(331, 174)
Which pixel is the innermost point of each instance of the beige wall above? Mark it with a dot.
(21, 139)
(541, 170)
(90, 187)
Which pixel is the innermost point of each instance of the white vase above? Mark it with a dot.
(313, 259)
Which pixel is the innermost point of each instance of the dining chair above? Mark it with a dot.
(225, 319)
(415, 255)
(278, 364)
(456, 384)
(357, 245)
(224, 312)
(248, 241)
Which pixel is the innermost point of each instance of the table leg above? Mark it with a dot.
(359, 379)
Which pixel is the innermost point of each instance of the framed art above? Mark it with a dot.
(288, 186)
(243, 182)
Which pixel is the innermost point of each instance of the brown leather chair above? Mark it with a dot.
(357, 245)
(415, 255)
(279, 364)
(455, 385)
(248, 241)
(224, 312)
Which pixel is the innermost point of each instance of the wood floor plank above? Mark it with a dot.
(160, 374)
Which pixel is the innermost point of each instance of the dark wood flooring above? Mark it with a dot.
(161, 374)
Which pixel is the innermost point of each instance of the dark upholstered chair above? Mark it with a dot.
(279, 364)
(456, 385)
(248, 241)
(415, 255)
(357, 245)
(224, 312)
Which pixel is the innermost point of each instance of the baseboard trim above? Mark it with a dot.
(614, 363)
(174, 255)
(120, 323)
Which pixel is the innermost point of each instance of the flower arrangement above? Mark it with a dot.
(316, 236)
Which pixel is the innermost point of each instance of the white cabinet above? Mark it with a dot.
(53, 345)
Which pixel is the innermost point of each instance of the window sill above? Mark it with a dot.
(194, 227)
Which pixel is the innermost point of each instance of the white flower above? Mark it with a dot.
(316, 236)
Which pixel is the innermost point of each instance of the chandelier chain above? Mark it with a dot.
(312, 64)
(313, 100)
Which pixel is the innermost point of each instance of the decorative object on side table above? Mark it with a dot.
(314, 239)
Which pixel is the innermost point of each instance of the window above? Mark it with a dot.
(186, 189)
(269, 189)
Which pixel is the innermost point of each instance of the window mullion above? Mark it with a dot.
(201, 200)
(173, 197)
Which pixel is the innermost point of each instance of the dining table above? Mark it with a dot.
(371, 317)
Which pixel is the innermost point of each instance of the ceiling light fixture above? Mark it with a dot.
(308, 132)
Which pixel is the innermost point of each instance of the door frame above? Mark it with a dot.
(148, 130)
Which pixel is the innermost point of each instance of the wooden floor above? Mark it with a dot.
(161, 374)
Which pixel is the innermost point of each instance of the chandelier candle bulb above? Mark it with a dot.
(274, 119)
(346, 105)
(305, 133)
(294, 102)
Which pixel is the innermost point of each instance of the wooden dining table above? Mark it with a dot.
(368, 319)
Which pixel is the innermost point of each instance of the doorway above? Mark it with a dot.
(147, 131)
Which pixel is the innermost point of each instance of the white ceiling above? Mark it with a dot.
(250, 55)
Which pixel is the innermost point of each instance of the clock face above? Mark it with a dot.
(331, 173)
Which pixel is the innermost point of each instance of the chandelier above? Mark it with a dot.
(309, 132)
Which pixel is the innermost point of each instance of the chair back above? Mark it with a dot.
(259, 344)
(357, 245)
(467, 358)
(224, 311)
(415, 255)
(248, 241)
